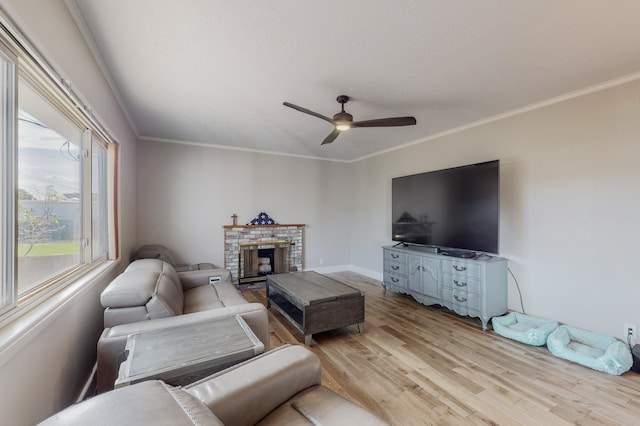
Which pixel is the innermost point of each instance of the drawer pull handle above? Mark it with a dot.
(459, 268)
(395, 256)
(460, 283)
(395, 267)
(459, 299)
(394, 279)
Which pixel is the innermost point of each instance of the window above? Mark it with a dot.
(49, 191)
(7, 132)
(99, 224)
(58, 178)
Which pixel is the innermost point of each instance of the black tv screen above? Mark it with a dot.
(455, 208)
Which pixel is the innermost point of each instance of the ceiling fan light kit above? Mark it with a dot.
(343, 121)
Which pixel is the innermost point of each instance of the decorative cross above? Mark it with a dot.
(234, 217)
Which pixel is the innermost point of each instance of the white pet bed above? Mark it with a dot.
(524, 328)
(597, 351)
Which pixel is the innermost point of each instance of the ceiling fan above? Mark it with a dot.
(343, 121)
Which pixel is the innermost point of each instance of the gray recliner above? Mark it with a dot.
(150, 295)
(280, 387)
(158, 251)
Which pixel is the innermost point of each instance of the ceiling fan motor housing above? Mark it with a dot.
(343, 116)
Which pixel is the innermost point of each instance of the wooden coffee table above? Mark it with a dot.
(314, 303)
(183, 354)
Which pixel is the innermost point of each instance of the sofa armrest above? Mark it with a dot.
(197, 278)
(133, 288)
(113, 340)
(262, 383)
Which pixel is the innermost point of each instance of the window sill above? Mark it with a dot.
(22, 321)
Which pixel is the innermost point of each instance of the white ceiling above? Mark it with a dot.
(217, 71)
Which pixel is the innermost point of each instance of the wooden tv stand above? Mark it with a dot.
(471, 287)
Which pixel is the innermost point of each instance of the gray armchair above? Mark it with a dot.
(279, 387)
(149, 295)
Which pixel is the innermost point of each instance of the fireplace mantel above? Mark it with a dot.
(262, 226)
(236, 236)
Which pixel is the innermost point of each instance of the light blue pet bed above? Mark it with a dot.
(598, 351)
(524, 328)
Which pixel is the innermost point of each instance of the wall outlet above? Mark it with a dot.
(630, 334)
(321, 261)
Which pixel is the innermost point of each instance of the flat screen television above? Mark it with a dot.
(456, 208)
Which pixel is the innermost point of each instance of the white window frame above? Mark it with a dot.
(26, 64)
(8, 126)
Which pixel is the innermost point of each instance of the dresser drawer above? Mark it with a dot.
(395, 267)
(460, 267)
(461, 282)
(463, 302)
(395, 280)
(395, 256)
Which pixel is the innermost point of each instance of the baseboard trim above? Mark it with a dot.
(350, 268)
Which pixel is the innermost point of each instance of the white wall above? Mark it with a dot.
(569, 203)
(45, 364)
(568, 217)
(187, 193)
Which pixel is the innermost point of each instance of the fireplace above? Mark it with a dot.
(261, 258)
(251, 250)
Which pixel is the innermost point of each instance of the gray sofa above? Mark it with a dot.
(150, 295)
(276, 388)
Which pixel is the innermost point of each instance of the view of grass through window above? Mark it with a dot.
(49, 193)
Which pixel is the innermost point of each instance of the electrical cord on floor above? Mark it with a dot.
(519, 292)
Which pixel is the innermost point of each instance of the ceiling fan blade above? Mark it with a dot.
(386, 122)
(332, 136)
(307, 111)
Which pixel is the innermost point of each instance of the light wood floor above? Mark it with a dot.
(424, 365)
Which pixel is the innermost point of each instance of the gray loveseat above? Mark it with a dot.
(150, 295)
(280, 387)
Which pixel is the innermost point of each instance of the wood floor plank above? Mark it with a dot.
(418, 365)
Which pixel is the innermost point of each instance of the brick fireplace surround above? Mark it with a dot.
(236, 234)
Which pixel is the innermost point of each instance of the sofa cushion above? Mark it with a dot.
(151, 402)
(229, 294)
(115, 316)
(156, 266)
(319, 405)
(262, 383)
(214, 296)
(201, 299)
(167, 300)
(133, 288)
(149, 283)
